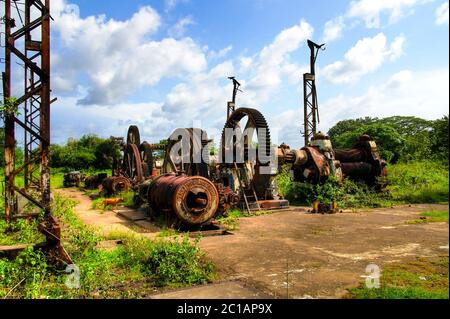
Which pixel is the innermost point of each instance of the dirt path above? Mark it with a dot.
(108, 222)
(296, 254)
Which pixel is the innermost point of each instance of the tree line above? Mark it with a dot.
(399, 138)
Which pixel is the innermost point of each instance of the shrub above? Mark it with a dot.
(168, 261)
(24, 276)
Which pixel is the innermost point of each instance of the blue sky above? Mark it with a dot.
(164, 64)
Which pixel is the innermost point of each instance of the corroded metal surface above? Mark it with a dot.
(193, 199)
(94, 181)
(363, 162)
(73, 178)
(116, 184)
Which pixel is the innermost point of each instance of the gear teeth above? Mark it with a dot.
(255, 117)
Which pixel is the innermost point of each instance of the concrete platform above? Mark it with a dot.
(224, 290)
(132, 215)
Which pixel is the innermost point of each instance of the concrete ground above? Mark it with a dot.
(293, 253)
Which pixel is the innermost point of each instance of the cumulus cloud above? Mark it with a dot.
(107, 120)
(116, 61)
(333, 29)
(442, 14)
(370, 11)
(274, 61)
(213, 55)
(179, 29)
(365, 57)
(401, 94)
(171, 4)
(204, 95)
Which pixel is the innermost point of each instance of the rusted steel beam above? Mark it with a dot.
(29, 130)
(9, 120)
(45, 107)
(28, 27)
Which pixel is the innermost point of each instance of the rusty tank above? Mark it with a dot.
(192, 200)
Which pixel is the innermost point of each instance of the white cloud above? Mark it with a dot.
(365, 57)
(116, 61)
(202, 97)
(370, 11)
(212, 55)
(401, 94)
(70, 119)
(442, 14)
(245, 63)
(179, 29)
(171, 4)
(333, 29)
(273, 62)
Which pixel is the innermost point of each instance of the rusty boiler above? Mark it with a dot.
(193, 200)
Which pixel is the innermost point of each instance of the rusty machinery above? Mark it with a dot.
(313, 163)
(186, 200)
(73, 178)
(316, 162)
(363, 163)
(317, 159)
(181, 191)
(252, 175)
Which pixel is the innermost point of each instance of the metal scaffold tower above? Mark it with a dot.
(34, 57)
(310, 105)
(26, 94)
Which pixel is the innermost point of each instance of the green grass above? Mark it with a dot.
(20, 231)
(231, 219)
(423, 278)
(97, 203)
(132, 270)
(434, 216)
(419, 182)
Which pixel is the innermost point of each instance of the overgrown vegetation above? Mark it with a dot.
(19, 231)
(422, 278)
(414, 182)
(417, 152)
(90, 151)
(131, 270)
(399, 138)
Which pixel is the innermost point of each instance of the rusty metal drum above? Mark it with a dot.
(194, 199)
(116, 184)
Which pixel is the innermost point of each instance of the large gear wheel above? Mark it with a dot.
(256, 123)
(133, 136)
